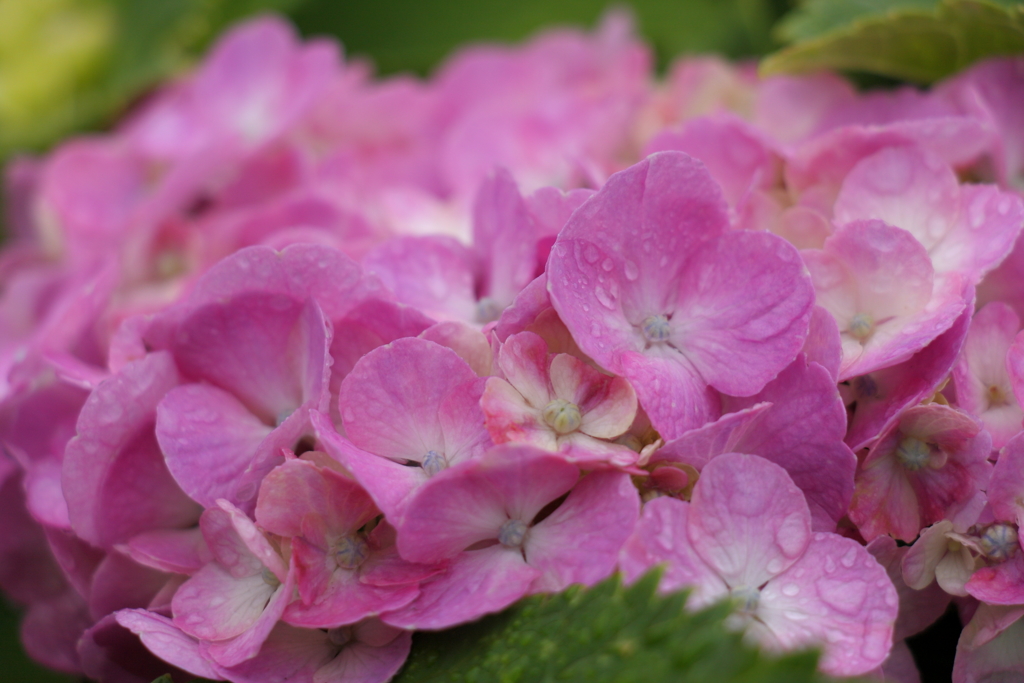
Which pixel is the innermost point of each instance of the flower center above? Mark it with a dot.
(913, 453)
(340, 636)
(861, 326)
(562, 416)
(996, 397)
(487, 310)
(270, 578)
(512, 533)
(655, 329)
(351, 551)
(747, 599)
(999, 542)
(434, 462)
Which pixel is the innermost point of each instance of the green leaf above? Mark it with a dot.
(605, 634)
(123, 47)
(412, 35)
(914, 40)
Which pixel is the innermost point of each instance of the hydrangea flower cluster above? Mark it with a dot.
(296, 361)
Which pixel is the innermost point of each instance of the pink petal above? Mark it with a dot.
(608, 403)
(214, 605)
(671, 392)
(434, 274)
(385, 413)
(115, 480)
(748, 520)
(504, 237)
(1000, 584)
(471, 345)
(363, 663)
(907, 187)
(387, 482)
(509, 417)
(523, 360)
(208, 438)
(476, 583)
(1006, 490)
(698, 446)
(470, 502)
(245, 646)
(181, 551)
(580, 541)
(836, 596)
(803, 432)
(660, 538)
(338, 597)
(166, 641)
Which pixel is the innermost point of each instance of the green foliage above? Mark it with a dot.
(914, 40)
(127, 46)
(605, 634)
(415, 35)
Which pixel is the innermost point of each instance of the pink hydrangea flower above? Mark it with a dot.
(984, 387)
(925, 467)
(747, 535)
(655, 288)
(557, 402)
(489, 518)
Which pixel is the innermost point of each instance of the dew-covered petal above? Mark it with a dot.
(388, 482)
(660, 537)
(670, 391)
(836, 596)
(389, 402)
(905, 186)
(632, 239)
(608, 404)
(434, 273)
(208, 438)
(476, 583)
(748, 520)
(580, 541)
(115, 480)
(470, 502)
(743, 310)
(803, 432)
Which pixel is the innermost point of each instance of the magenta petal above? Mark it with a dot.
(748, 520)
(803, 432)
(386, 413)
(387, 482)
(214, 605)
(121, 583)
(698, 446)
(167, 641)
(299, 494)
(245, 646)
(470, 502)
(660, 538)
(434, 274)
(1001, 584)
(288, 654)
(115, 480)
(504, 238)
(181, 551)
(671, 392)
(339, 597)
(824, 345)
(884, 394)
(665, 205)
(208, 438)
(843, 601)
(476, 583)
(465, 340)
(739, 341)
(1006, 490)
(253, 347)
(580, 541)
(363, 663)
